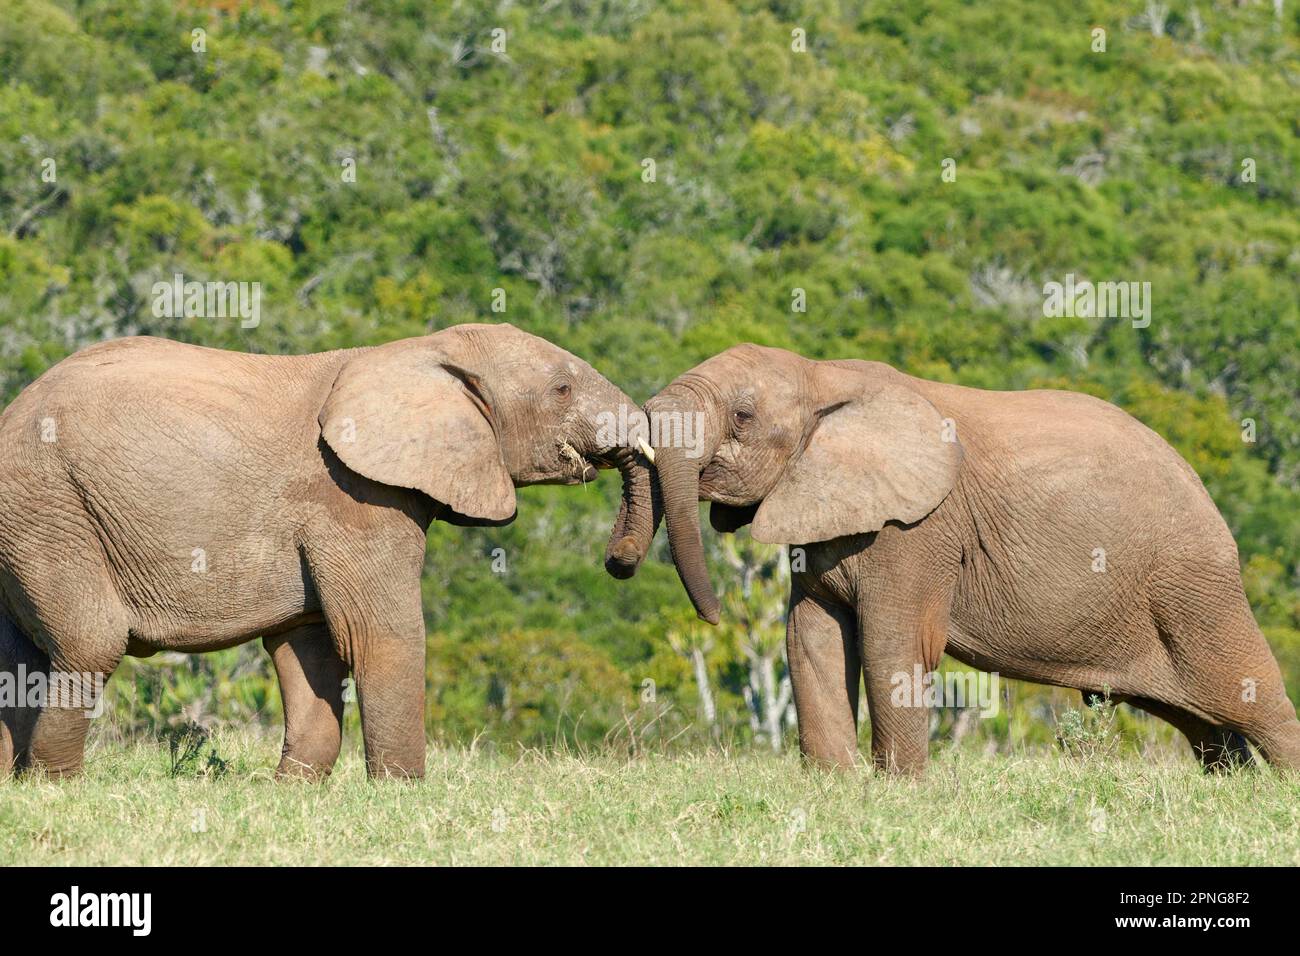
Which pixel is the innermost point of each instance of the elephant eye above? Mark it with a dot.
(742, 417)
(562, 390)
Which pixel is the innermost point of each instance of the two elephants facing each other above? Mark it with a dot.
(160, 496)
(938, 518)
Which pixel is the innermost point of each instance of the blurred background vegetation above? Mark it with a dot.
(222, 154)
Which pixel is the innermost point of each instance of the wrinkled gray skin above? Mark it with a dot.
(159, 496)
(939, 518)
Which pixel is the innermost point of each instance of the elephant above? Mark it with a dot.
(159, 496)
(1044, 535)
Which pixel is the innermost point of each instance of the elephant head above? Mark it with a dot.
(466, 414)
(806, 451)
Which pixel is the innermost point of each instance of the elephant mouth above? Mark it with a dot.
(585, 472)
(575, 473)
(574, 468)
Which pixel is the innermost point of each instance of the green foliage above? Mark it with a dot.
(186, 745)
(774, 170)
(531, 687)
(1089, 733)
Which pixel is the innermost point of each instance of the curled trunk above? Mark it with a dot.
(638, 518)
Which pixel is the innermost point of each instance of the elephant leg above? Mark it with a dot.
(1217, 748)
(899, 647)
(58, 743)
(1220, 750)
(312, 676)
(19, 658)
(91, 640)
(1229, 677)
(74, 697)
(389, 671)
(825, 671)
(1271, 726)
(374, 617)
(1256, 705)
(1280, 745)
(64, 600)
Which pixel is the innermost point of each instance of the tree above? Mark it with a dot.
(754, 615)
(693, 641)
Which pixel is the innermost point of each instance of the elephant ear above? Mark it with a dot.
(403, 415)
(878, 452)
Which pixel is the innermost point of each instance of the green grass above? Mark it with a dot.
(536, 808)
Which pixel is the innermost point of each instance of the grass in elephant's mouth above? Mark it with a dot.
(483, 808)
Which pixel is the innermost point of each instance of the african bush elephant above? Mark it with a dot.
(1045, 535)
(160, 496)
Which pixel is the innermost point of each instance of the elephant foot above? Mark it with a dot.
(292, 768)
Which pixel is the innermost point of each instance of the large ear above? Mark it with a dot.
(403, 415)
(878, 452)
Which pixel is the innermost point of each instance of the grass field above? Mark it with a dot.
(536, 808)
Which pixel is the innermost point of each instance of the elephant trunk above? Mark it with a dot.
(639, 515)
(679, 480)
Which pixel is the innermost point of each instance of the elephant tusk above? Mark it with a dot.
(646, 450)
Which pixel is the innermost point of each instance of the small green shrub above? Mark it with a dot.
(186, 745)
(1089, 733)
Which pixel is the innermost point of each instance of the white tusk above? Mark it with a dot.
(646, 450)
